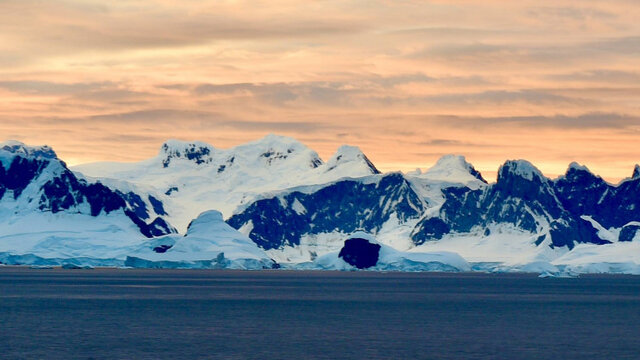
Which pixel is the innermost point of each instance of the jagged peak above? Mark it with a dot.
(576, 171)
(197, 151)
(576, 166)
(19, 148)
(347, 154)
(636, 172)
(519, 168)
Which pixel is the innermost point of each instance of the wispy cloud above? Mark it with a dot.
(405, 80)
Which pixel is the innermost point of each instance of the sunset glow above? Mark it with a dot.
(407, 81)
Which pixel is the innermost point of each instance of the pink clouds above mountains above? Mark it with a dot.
(407, 81)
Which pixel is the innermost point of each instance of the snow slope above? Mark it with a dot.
(209, 243)
(391, 259)
(292, 208)
(194, 177)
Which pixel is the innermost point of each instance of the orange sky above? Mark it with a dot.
(407, 81)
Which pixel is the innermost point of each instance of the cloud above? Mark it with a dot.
(75, 26)
(600, 76)
(501, 97)
(39, 87)
(447, 143)
(534, 78)
(582, 121)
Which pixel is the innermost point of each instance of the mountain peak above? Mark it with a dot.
(519, 168)
(454, 169)
(19, 148)
(576, 166)
(579, 173)
(196, 151)
(276, 150)
(352, 155)
(275, 138)
(577, 170)
(636, 172)
(278, 143)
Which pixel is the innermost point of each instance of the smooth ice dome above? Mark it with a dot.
(209, 242)
(204, 222)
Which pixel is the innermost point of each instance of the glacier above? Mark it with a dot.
(274, 203)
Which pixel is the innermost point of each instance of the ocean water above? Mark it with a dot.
(196, 314)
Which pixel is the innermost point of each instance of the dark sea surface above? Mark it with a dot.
(199, 314)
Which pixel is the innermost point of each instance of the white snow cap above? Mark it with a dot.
(363, 235)
(172, 145)
(575, 166)
(278, 141)
(204, 222)
(351, 156)
(521, 168)
(453, 169)
(276, 150)
(19, 148)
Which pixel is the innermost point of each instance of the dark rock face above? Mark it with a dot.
(157, 205)
(66, 191)
(162, 248)
(628, 232)
(20, 174)
(157, 227)
(580, 191)
(344, 206)
(620, 206)
(360, 253)
(61, 190)
(193, 152)
(430, 229)
(583, 193)
(476, 174)
(372, 167)
(522, 197)
(136, 205)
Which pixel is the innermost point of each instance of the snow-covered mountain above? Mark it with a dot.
(524, 218)
(34, 180)
(45, 209)
(285, 204)
(194, 177)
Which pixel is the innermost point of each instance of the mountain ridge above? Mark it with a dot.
(297, 208)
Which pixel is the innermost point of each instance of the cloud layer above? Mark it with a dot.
(408, 81)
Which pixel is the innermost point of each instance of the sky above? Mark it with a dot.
(406, 81)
